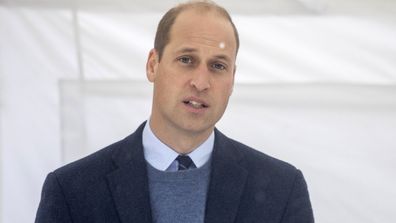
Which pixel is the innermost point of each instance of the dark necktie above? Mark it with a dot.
(185, 162)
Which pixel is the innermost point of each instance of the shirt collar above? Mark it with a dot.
(160, 156)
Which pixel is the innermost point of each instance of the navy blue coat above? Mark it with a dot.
(111, 186)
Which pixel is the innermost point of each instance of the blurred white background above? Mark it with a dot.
(315, 86)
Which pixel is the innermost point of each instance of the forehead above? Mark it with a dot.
(203, 29)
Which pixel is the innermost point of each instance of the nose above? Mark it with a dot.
(201, 79)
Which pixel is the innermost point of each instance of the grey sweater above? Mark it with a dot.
(178, 197)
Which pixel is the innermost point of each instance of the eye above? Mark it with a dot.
(218, 66)
(185, 60)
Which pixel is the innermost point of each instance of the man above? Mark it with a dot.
(177, 167)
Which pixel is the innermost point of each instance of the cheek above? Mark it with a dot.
(167, 85)
(168, 75)
(228, 87)
(224, 92)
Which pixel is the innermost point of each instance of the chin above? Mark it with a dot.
(197, 128)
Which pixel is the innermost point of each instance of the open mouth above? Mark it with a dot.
(195, 104)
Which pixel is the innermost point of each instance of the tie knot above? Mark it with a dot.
(185, 162)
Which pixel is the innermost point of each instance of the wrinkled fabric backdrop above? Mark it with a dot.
(315, 86)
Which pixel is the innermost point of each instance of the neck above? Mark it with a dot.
(181, 141)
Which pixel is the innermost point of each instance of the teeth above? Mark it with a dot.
(195, 104)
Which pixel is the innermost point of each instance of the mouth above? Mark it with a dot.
(195, 103)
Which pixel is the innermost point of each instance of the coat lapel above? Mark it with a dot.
(129, 182)
(226, 183)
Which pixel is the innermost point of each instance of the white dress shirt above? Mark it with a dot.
(162, 157)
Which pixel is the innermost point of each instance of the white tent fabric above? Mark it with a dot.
(315, 86)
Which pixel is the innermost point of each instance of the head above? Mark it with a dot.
(165, 25)
(192, 67)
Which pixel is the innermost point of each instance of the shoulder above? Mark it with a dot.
(88, 169)
(257, 162)
(280, 184)
(97, 165)
(255, 156)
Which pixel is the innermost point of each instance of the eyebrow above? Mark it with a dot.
(223, 57)
(193, 50)
(186, 50)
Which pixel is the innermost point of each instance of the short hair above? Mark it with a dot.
(162, 36)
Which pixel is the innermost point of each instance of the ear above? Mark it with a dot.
(152, 65)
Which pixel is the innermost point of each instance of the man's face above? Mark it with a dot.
(194, 79)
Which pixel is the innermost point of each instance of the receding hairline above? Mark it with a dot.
(214, 13)
(201, 7)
